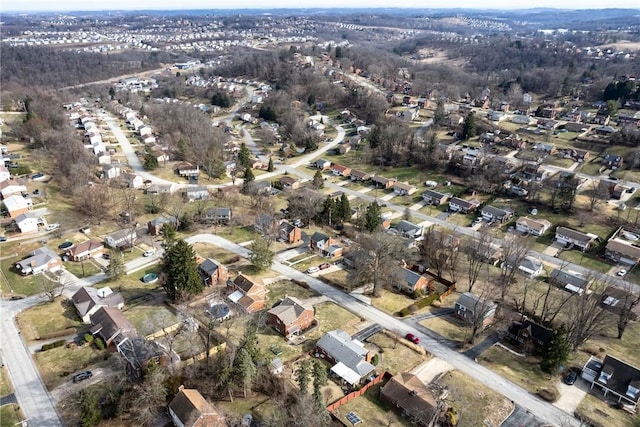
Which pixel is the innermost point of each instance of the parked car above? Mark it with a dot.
(571, 378)
(82, 376)
(37, 176)
(149, 252)
(621, 273)
(106, 255)
(51, 227)
(414, 339)
(324, 266)
(312, 270)
(3, 239)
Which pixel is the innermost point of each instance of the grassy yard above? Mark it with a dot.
(523, 371)
(150, 318)
(395, 360)
(391, 302)
(10, 415)
(475, 404)
(57, 364)
(261, 406)
(330, 317)
(5, 382)
(82, 269)
(449, 327)
(237, 234)
(593, 408)
(587, 260)
(278, 290)
(48, 318)
(371, 410)
(214, 252)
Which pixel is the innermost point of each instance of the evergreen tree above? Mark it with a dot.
(267, 113)
(318, 180)
(168, 233)
(270, 165)
(248, 178)
(439, 114)
(302, 377)
(372, 220)
(244, 156)
(221, 99)
(261, 254)
(246, 369)
(344, 208)
(469, 126)
(329, 213)
(150, 161)
(556, 352)
(180, 268)
(319, 373)
(116, 268)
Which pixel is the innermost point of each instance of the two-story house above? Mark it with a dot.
(435, 198)
(213, 273)
(319, 242)
(248, 293)
(535, 227)
(124, 238)
(289, 233)
(492, 214)
(475, 310)
(614, 377)
(404, 188)
(529, 336)
(457, 204)
(569, 238)
(612, 161)
(155, 225)
(218, 215)
(291, 317)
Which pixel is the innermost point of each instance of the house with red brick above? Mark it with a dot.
(340, 170)
(155, 225)
(291, 317)
(213, 273)
(86, 250)
(289, 233)
(247, 293)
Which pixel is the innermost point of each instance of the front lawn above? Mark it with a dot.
(523, 371)
(10, 415)
(330, 317)
(449, 327)
(395, 356)
(82, 269)
(5, 383)
(150, 318)
(237, 234)
(57, 365)
(48, 319)
(371, 410)
(391, 302)
(278, 290)
(594, 409)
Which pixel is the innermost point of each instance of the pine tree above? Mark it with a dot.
(150, 161)
(261, 254)
(329, 211)
(246, 369)
(439, 114)
(469, 126)
(344, 208)
(116, 268)
(302, 377)
(248, 178)
(244, 156)
(318, 180)
(270, 165)
(319, 373)
(372, 220)
(180, 267)
(556, 352)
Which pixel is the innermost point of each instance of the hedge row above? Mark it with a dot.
(54, 344)
(421, 303)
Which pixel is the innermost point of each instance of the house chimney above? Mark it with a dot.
(180, 388)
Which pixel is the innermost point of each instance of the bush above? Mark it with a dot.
(99, 343)
(375, 360)
(58, 343)
(421, 303)
(88, 338)
(549, 394)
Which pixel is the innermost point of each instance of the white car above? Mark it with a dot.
(149, 253)
(312, 270)
(621, 273)
(51, 227)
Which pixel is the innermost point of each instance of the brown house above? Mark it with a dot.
(88, 249)
(412, 398)
(289, 183)
(357, 175)
(213, 273)
(190, 409)
(530, 337)
(289, 233)
(111, 325)
(381, 182)
(340, 170)
(155, 225)
(291, 317)
(247, 293)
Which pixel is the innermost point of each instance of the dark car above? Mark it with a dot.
(3, 239)
(414, 339)
(324, 266)
(65, 245)
(571, 378)
(82, 376)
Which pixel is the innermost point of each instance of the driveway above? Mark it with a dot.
(571, 395)
(431, 369)
(552, 249)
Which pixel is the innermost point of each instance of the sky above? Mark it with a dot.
(79, 5)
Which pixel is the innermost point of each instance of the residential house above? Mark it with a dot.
(435, 198)
(110, 171)
(332, 251)
(247, 293)
(86, 250)
(340, 170)
(381, 182)
(345, 148)
(410, 282)
(322, 164)
(187, 170)
(572, 282)
(289, 233)
(5, 175)
(615, 299)
(408, 229)
(124, 238)
(404, 188)
(535, 227)
(218, 215)
(131, 180)
(529, 336)
(17, 205)
(457, 204)
(319, 241)
(569, 238)
(196, 192)
(624, 246)
(412, 398)
(265, 224)
(155, 225)
(41, 260)
(28, 222)
(547, 149)
(357, 175)
(289, 183)
(350, 358)
(471, 308)
(612, 161)
(614, 377)
(291, 317)
(492, 214)
(213, 273)
(533, 171)
(157, 188)
(87, 300)
(527, 266)
(10, 188)
(111, 325)
(190, 409)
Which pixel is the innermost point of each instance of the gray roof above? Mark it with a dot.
(406, 226)
(40, 256)
(470, 301)
(497, 212)
(319, 237)
(218, 212)
(410, 276)
(339, 345)
(88, 297)
(565, 278)
(433, 194)
(290, 309)
(209, 266)
(573, 234)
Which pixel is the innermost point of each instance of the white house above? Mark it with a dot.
(122, 238)
(28, 222)
(111, 171)
(4, 173)
(132, 180)
(535, 227)
(9, 188)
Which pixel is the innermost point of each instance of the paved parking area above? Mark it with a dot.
(552, 249)
(571, 395)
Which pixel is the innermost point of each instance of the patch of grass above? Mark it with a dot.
(237, 234)
(449, 327)
(594, 409)
(587, 260)
(330, 317)
(5, 383)
(47, 319)
(524, 371)
(82, 269)
(391, 302)
(259, 405)
(214, 252)
(57, 362)
(150, 318)
(475, 403)
(10, 415)
(371, 410)
(398, 359)
(278, 290)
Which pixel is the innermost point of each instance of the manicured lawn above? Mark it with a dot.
(82, 269)
(278, 290)
(150, 318)
(523, 371)
(58, 363)
(587, 260)
(594, 408)
(330, 317)
(237, 234)
(261, 406)
(395, 360)
(475, 404)
(449, 327)
(372, 411)
(48, 318)
(10, 415)
(338, 277)
(391, 302)
(5, 383)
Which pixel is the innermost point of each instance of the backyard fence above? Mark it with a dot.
(203, 355)
(349, 397)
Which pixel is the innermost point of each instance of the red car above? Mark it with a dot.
(324, 266)
(414, 339)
